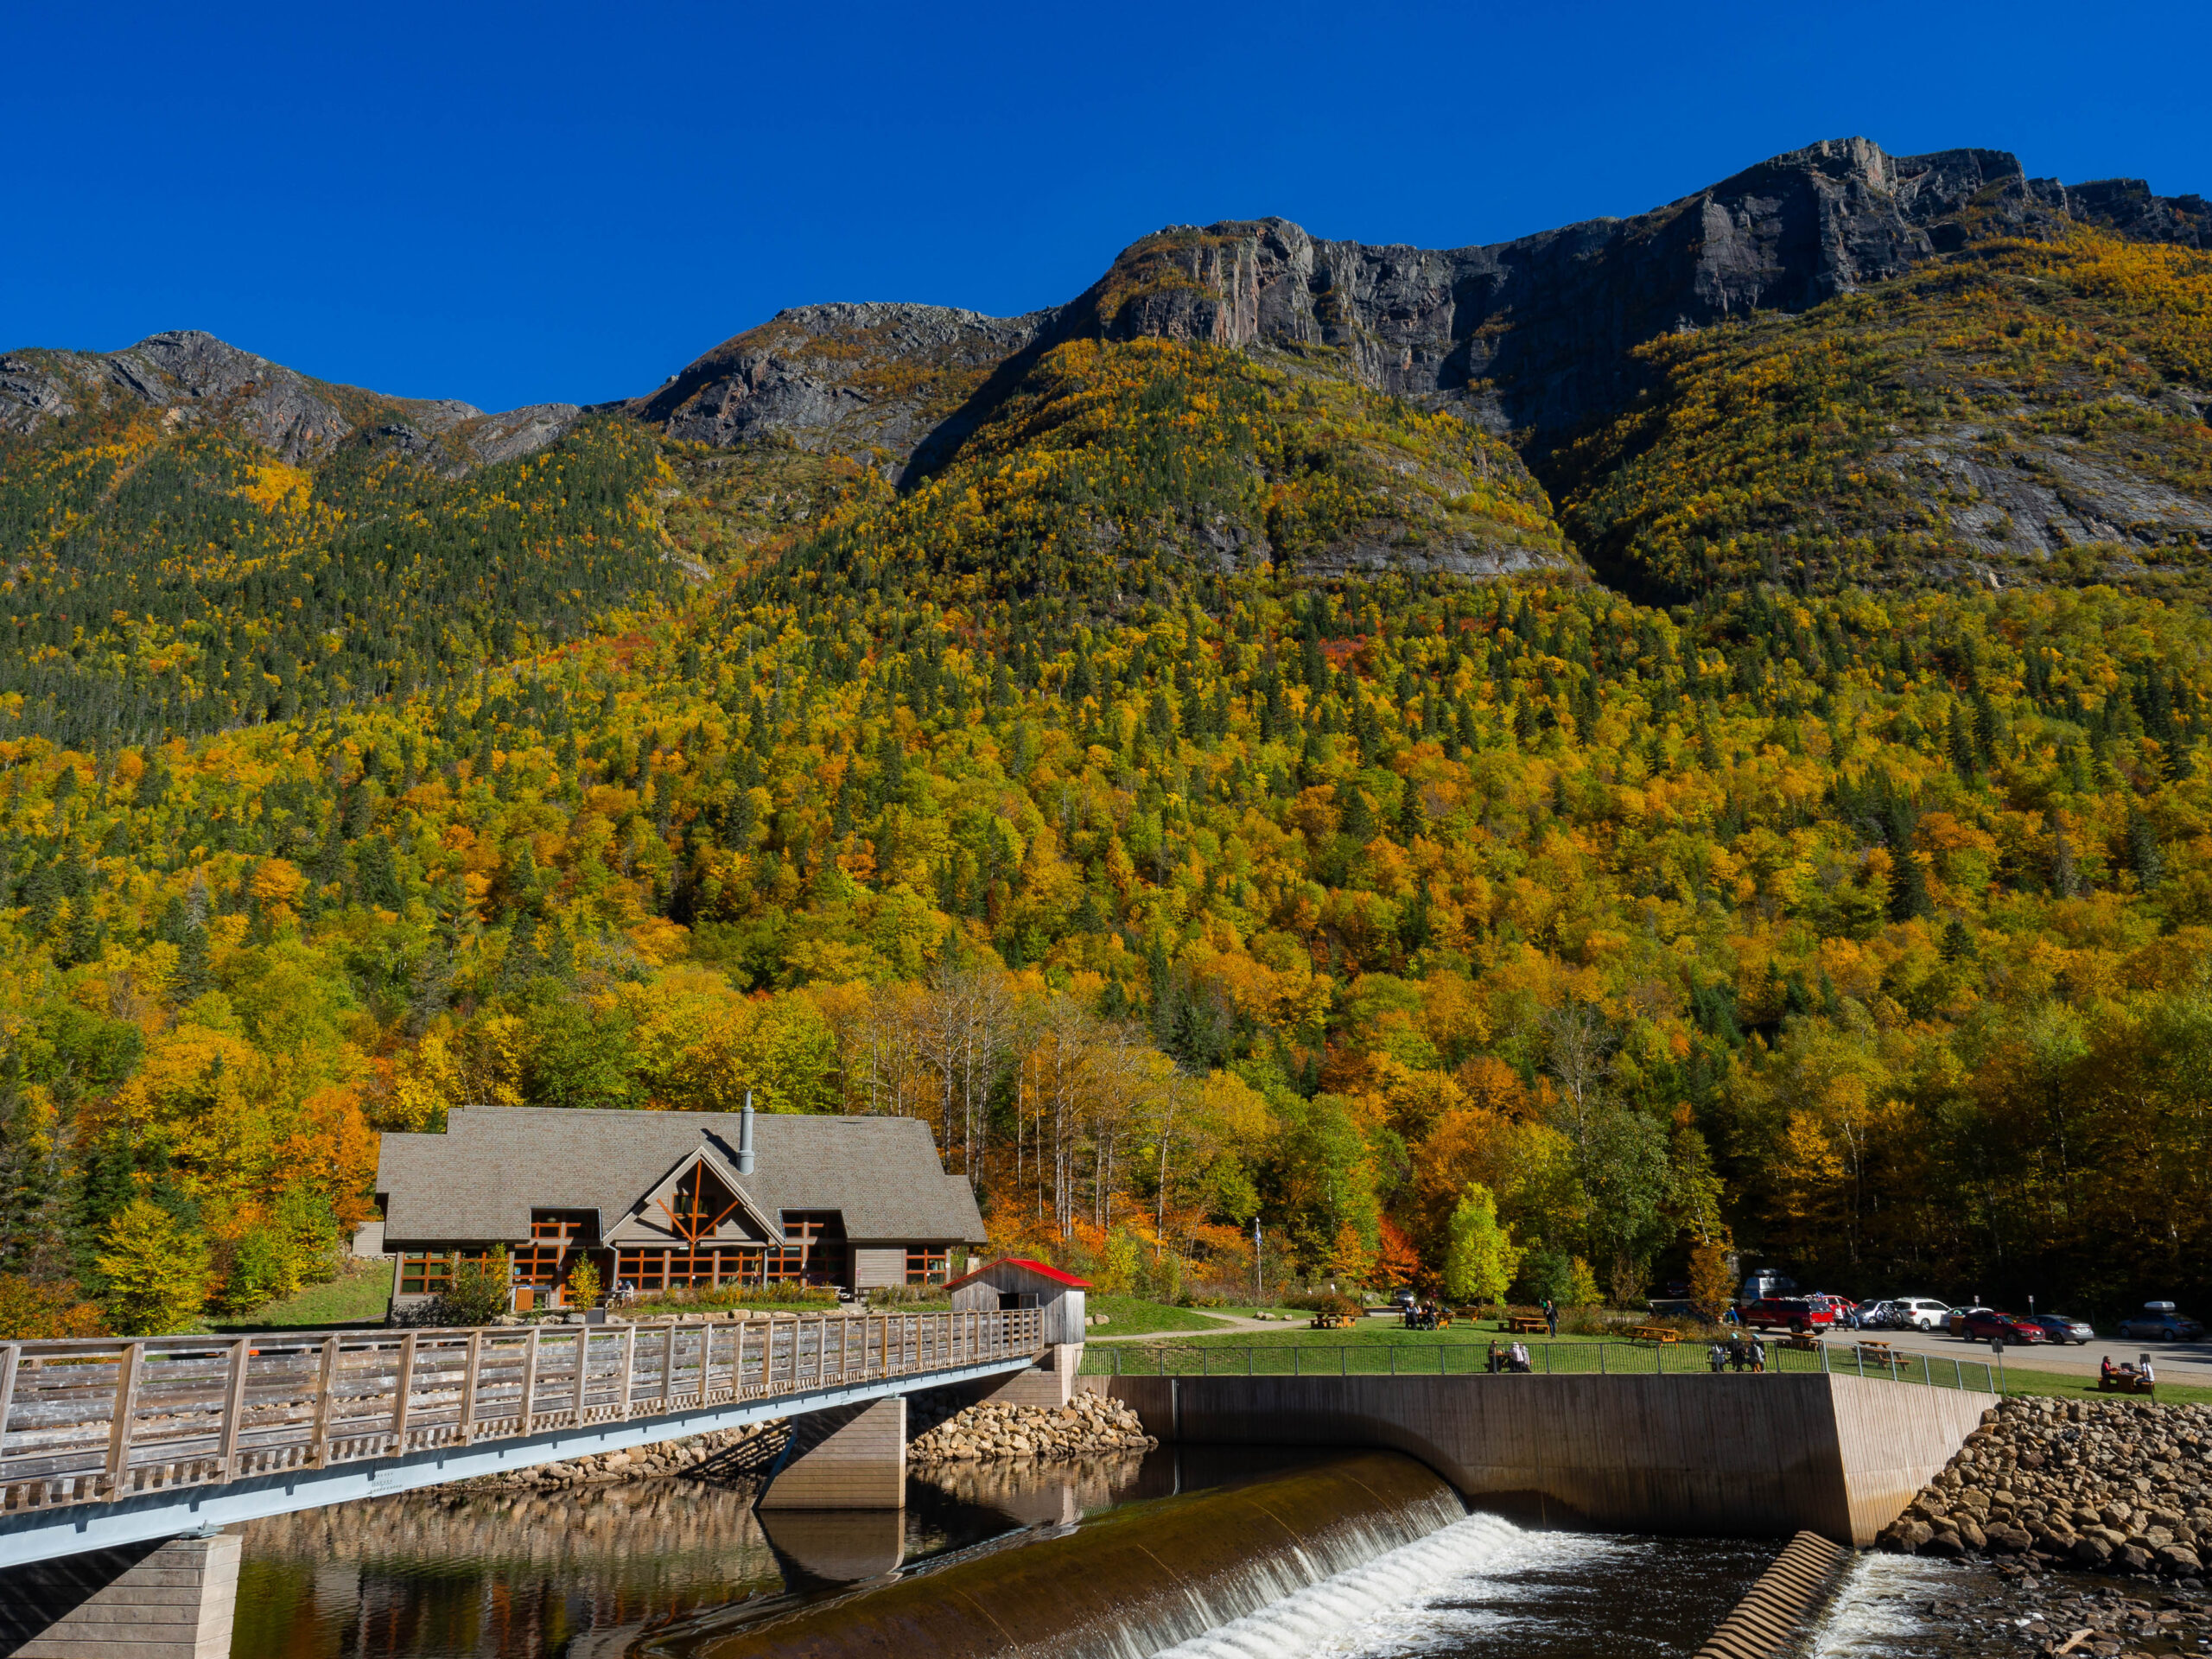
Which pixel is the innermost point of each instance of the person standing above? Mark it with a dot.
(1551, 1316)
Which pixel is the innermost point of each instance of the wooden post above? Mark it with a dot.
(127, 1366)
(667, 1368)
(530, 1379)
(706, 1359)
(583, 1367)
(469, 1387)
(629, 1367)
(326, 1386)
(403, 1398)
(9, 1359)
(226, 1449)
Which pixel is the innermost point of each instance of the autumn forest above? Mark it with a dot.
(1725, 864)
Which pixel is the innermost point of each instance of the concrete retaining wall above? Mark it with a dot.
(1738, 1455)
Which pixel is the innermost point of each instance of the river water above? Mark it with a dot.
(1192, 1551)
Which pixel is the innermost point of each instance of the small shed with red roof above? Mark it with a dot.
(1016, 1282)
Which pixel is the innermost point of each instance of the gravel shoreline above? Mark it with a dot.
(1089, 1425)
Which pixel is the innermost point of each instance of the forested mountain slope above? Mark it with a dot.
(1209, 786)
(2021, 412)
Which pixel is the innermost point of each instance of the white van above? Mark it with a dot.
(1918, 1313)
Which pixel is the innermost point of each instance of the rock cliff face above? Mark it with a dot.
(1547, 320)
(1534, 333)
(190, 376)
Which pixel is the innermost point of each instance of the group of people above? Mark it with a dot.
(1427, 1316)
(1515, 1358)
(1741, 1354)
(2139, 1376)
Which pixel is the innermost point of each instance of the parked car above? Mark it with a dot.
(1794, 1313)
(1987, 1324)
(2064, 1329)
(1918, 1313)
(2158, 1322)
(1878, 1316)
(1954, 1319)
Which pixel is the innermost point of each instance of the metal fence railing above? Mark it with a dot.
(1545, 1358)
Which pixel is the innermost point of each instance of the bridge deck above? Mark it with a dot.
(100, 1421)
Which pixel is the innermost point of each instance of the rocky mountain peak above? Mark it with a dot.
(872, 380)
(189, 373)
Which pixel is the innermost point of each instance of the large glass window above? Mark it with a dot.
(558, 1240)
(926, 1264)
(657, 1267)
(425, 1273)
(813, 1251)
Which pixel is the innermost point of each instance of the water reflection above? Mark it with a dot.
(478, 1574)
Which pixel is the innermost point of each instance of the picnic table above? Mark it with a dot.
(1880, 1353)
(1333, 1321)
(2128, 1380)
(1804, 1342)
(1519, 1324)
(1659, 1333)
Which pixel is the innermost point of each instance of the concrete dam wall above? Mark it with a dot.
(1734, 1455)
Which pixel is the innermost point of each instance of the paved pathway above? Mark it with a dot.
(2173, 1362)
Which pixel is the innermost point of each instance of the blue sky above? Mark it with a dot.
(518, 203)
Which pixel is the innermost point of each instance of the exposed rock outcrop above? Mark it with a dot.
(875, 382)
(2106, 1485)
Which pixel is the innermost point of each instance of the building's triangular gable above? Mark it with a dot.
(661, 1216)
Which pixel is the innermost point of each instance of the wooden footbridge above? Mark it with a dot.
(109, 1442)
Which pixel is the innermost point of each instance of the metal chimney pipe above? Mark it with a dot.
(745, 1137)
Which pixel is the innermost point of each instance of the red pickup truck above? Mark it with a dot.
(1798, 1314)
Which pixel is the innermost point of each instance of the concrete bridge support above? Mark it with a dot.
(172, 1599)
(846, 1458)
(1050, 1381)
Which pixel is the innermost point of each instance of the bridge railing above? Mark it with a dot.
(92, 1420)
(1432, 1358)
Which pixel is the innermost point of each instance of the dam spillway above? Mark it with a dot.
(1728, 1456)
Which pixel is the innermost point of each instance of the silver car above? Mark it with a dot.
(2159, 1322)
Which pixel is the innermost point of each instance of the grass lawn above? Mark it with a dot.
(1377, 1345)
(1375, 1333)
(2059, 1385)
(359, 1295)
(1134, 1316)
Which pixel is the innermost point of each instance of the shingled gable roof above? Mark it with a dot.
(653, 1223)
(493, 1164)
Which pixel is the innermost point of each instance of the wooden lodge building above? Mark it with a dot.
(662, 1200)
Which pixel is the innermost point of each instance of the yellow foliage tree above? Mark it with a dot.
(155, 1270)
